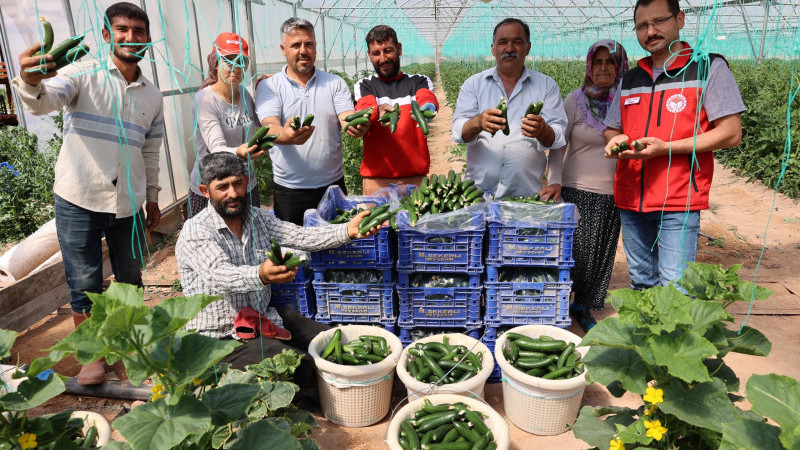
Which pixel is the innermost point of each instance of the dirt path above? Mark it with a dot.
(737, 222)
(439, 142)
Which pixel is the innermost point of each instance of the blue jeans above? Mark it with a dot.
(80, 232)
(658, 245)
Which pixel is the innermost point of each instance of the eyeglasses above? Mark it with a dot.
(237, 62)
(657, 23)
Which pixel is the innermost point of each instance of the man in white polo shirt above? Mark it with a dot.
(307, 160)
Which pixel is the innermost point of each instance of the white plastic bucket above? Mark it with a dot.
(92, 418)
(472, 387)
(492, 418)
(536, 405)
(355, 396)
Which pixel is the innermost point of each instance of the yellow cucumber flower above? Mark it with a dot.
(650, 410)
(158, 391)
(654, 429)
(27, 440)
(616, 444)
(653, 396)
(196, 381)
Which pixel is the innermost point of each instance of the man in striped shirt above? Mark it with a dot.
(222, 251)
(108, 163)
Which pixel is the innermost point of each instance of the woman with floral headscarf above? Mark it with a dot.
(587, 178)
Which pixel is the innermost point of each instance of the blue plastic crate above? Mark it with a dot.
(523, 243)
(406, 334)
(298, 293)
(356, 303)
(404, 278)
(439, 307)
(440, 250)
(545, 303)
(375, 251)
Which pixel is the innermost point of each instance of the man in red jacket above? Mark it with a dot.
(682, 104)
(399, 157)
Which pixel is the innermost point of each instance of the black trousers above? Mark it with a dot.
(290, 204)
(303, 330)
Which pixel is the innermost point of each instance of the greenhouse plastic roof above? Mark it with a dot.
(464, 27)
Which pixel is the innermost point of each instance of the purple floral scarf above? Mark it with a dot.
(594, 101)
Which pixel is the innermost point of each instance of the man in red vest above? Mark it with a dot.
(679, 105)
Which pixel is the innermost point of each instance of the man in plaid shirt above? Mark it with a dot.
(222, 251)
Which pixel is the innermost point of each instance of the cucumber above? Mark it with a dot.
(337, 336)
(294, 262)
(258, 136)
(47, 37)
(72, 56)
(356, 122)
(308, 120)
(416, 114)
(364, 112)
(66, 45)
(394, 118)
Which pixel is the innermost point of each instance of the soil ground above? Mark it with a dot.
(747, 224)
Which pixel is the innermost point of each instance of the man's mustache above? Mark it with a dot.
(509, 55)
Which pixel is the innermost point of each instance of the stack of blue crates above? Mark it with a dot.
(545, 244)
(443, 253)
(366, 303)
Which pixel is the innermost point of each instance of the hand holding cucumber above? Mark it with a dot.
(34, 69)
(45, 60)
(292, 136)
(357, 124)
(279, 267)
(357, 227)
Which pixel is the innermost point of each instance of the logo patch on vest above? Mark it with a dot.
(632, 101)
(676, 103)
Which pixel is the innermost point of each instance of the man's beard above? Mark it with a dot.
(121, 51)
(231, 213)
(393, 71)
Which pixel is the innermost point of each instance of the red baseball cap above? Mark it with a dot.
(249, 323)
(231, 44)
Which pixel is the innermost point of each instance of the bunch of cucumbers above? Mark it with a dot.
(543, 357)
(67, 52)
(275, 254)
(441, 193)
(357, 118)
(262, 139)
(445, 426)
(345, 215)
(442, 363)
(367, 349)
(296, 123)
(391, 117)
(533, 199)
(624, 145)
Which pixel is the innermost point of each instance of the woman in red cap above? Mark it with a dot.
(225, 117)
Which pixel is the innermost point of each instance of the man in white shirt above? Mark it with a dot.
(509, 164)
(108, 163)
(307, 160)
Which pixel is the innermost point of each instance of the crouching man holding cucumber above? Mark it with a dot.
(221, 251)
